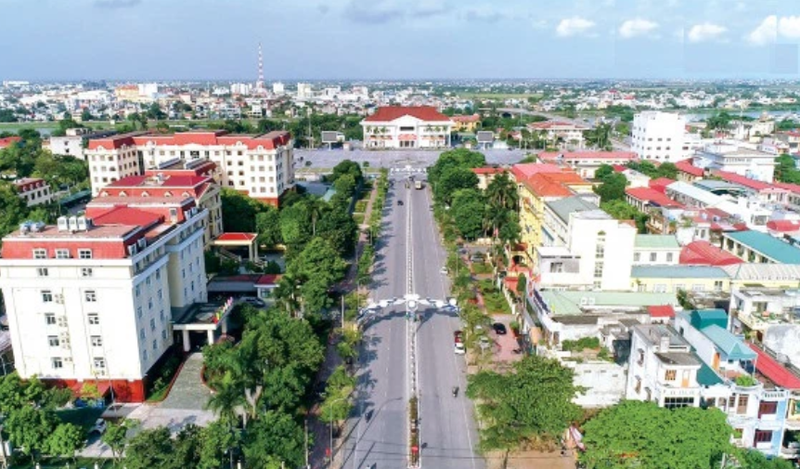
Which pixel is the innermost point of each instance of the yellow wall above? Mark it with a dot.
(464, 126)
(674, 284)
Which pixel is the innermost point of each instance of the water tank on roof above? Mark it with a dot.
(63, 224)
(73, 223)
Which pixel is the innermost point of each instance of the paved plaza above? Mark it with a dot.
(324, 158)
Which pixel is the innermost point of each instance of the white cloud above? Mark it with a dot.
(574, 26)
(705, 32)
(772, 27)
(486, 13)
(637, 27)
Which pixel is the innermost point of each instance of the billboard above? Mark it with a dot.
(332, 137)
(485, 136)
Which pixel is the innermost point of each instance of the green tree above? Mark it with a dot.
(228, 398)
(115, 437)
(345, 185)
(612, 188)
(754, 459)
(268, 226)
(622, 210)
(29, 428)
(86, 115)
(347, 167)
(453, 180)
(337, 227)
(532, 402)
(786, 170)
(217, 441)
(317, 268)
(151, 448)
(603, 171)
(239, 211)
(600, 136)
(641, 434)
(668, 170)
(720, 120)
(65, 440)
(468, 210)
(61, 170)
(274, 440)
(297, 225)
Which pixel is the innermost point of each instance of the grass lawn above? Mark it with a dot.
(361, 206)
(359, 218)
(493, 299)
(481, 268)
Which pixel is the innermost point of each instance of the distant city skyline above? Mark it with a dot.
(393, 39)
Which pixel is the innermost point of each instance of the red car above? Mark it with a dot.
(457, 336)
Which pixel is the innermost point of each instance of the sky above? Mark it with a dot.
(398, 39)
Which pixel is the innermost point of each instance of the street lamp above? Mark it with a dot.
(330, 442)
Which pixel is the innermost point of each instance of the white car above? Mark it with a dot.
(459, 348)
(443, 271)
(99, 427)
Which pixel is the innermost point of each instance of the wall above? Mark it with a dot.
(605, 383)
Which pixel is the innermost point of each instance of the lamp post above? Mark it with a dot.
(330, 425)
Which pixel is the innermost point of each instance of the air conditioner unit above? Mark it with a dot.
(67, 359)
(62, 322)
(81, 223)
(132, 249)
(59, 298)
(63, 224)
(100, 371)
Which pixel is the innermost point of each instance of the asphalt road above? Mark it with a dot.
(324, 158)
(378, 430)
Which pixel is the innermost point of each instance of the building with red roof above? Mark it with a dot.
(196, 182)
(466, 123)
(98, 297)
(704, 253)
(766, 192)
(586, 163)
(486, 174)
(687, 172)
(783, 227)
(8, 141)
(660, 184)
(560, 132)
(645, 198)
(34, 191)
(261, 166)
(407, 127)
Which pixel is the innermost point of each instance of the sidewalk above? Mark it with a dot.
(319, 430)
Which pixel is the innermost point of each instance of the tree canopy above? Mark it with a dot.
(612, 187)
(641, 434)
(533, 401)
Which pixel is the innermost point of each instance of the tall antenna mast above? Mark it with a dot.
(260, 82)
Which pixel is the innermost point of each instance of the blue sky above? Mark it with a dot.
(408, 39)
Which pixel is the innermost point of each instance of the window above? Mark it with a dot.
(99, 363)
(144, 355)
(762, 436)
(53, 340)
(670, 375)
(90, 296)
(669, 257)
(49, 319)
(158, 274)
(653, 257)
(47, 296)
(62, 253)
(164, 334)
(155, 344)
(556, 267)
(767, 408)
(139, 312)
(56, 363)
(86, 272)
(40, 254)
(94, 319)
(152, 324)
(141, 334)
(638, 387)
(637, 256)
(160, 295)
(698, 287)
(42, 272)
(660, 288)
(718, 285)
(742, 407)
(138, 290)
(84, 253)
(678, 402)
(161, 315)
(640, 361)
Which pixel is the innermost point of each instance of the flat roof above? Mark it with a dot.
(569, 301)
(563, 207)
(656, 241)
(767, 245)
(677, 271)
(52, 232)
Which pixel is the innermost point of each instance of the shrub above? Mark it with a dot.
(580, 344)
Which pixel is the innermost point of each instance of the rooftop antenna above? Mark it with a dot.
(260, 82)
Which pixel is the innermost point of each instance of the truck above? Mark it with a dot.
(417, 185)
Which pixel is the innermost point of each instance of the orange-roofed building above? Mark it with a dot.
(486, 174)
(261, 166)
(466, 123)
(538, 184)
(407, 127)
(586, 163)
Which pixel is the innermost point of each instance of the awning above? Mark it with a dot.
(78, 389)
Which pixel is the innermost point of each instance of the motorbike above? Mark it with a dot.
(455, 391)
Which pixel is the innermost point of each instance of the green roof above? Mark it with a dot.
(677, 271)
(706, 376)
(767, 245)
(654, 241)
(701, 318)
(569, 302)
(563, 207)
(729, 344)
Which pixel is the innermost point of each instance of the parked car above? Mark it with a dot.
(399, 202)
(99, 427)
(477, 257)
(459, 348)
(254, 301)
(499, 328)
(458, 337)
(443, 271)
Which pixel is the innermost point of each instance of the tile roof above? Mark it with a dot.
(390, 113)
(784, 226)
(127, 216)
(706, 376)
(725, 341)
(677, 271)
(652, 196)
(661, 311)
(7, 141)
(488, 170)
(794, 188)
(687, 167)
(268, 279)
(246, 237)
(563, 207)
(660, 184)
(744, 181)
(655, 241)
(774, 371)
(544, 186)
(767, 245)
(704, 253)
(268, 141)
(701, 318)
(695, 193)
(761, 272)
(525, 170)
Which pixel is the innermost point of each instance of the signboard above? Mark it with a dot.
(485, 136)
(332, 137)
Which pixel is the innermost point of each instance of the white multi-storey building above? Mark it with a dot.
(34, 191)
(658, 136)
(737, 158)
(407, 127)
(261, 166)
(92, 298)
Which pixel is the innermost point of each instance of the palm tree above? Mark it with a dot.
(227, 399)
